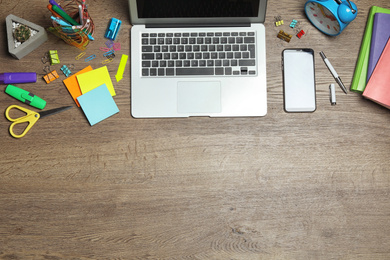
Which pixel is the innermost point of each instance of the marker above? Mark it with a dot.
(332, 94)
(25, 96)
(334, 73)
(18, 77)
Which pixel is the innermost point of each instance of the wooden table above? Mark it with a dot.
(285, 186)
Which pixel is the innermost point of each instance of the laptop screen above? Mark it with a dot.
(197, 11)
(197, 8)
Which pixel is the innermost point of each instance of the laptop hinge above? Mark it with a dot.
(196, 25)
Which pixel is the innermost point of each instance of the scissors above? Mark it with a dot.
(31, 118)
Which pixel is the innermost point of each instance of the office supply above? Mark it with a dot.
(107, 61)
(300, 34)
(214, 68)
(109, 53)
(293, 23)
(66, 70)
(378, 88)
(31, 118)
(98, 104)
(332, 94)
(359, 79)
(73, 86)
(109, 43)
(278, 21)
(90, 58)
(80, 56)
(64, 15)
(25, 97)
(330, 16)
(18, 77)
(60, 21)
(52, 2)
(121, 68)
(81, 16)
(116, 46)
(54, 59)
(380, 35)
(51, 76)
(113, 29)
(333, 72)
(94, 79)
(104, 49)
(284, 36)
(38, 37)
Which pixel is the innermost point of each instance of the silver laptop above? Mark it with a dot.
(198, 58)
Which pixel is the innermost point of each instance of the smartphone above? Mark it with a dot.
(299, 80)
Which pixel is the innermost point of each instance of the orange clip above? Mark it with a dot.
(51, 76)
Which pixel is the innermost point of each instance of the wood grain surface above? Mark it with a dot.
(285, 186)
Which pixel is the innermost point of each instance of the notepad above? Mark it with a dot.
(94, 79)
(72, 84)
(98, 104)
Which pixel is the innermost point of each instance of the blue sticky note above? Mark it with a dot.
(98, 104)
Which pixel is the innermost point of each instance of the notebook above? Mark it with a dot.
(198, 58)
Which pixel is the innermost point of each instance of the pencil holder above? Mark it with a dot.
(72, 23)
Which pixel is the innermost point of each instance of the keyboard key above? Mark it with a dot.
(145, 41)
(170, 72)
(161, 72)
(145, 34)
(153, 72)
(146, 64)
(228, 71)
(247, 62)
(145, 72)
(249, 39)
(194, 71)
(147, 48)
(219, 71)
(251, 49)
(148, 56)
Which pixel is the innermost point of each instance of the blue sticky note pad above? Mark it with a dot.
(98, 104)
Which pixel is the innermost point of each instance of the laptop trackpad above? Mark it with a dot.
(199, 97)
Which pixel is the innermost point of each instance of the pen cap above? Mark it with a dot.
(18, 77)
(25, 97)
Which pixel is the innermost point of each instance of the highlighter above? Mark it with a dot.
(25, 97)
(18, 77)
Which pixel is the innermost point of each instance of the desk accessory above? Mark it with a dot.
(25, 97)
(330, 16)
(18, 77)
(113, 29)
(359, 80)
(380, 35)
(31, 118)
(377, 88)
(332, 94)
(73, 86)
(94, 79)
(333, 71)
(23, 36)
(72, 24)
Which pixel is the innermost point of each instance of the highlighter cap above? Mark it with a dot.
(25, 97)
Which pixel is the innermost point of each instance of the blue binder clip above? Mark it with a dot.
(113, 28)
(66, 70)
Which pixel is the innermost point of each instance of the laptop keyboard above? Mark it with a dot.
(198, 53)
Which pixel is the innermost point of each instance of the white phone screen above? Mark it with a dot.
(299, 80)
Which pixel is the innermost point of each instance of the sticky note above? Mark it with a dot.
(94, 79)
(98, 104)
(72, 84)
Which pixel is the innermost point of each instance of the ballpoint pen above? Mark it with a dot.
(334, 73)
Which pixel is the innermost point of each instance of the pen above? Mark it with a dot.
(334, 73)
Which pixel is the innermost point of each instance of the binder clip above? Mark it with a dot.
(90, 58)
(300, 34)
(278, 21)
(113, 29)
(284, 36)
(54, 57)
(50, 76)
(45, 58)
(109, 54)
(293, 23)
(66, 70)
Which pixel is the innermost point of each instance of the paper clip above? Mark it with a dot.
(105, 49)
(109, 43)
(117, 46)
(109, 53)
(107, 61)
(80, 55)
(90, 57)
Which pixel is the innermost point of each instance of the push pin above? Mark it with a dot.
(284, 36)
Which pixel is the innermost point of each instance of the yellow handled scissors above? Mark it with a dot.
(31, 118)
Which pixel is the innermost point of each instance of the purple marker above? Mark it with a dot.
(18, 77)
(52, 2)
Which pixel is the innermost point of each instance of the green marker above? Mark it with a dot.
(25, 97)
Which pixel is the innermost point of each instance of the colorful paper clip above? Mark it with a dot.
(79, 56)
(117, 46)
(51, 76)
(107, 61)
(90, 57)
(66, 70)
(113, 29)
(300, 34)
(293, 23)
(109, 53)
(104, 49)
(284, 36)
(54, 57)
(109, 43)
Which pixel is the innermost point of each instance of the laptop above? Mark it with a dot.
(198, 58)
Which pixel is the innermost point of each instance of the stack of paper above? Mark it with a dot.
(92, 90)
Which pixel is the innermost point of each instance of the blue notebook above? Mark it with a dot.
(380, 35)
(98, 104)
